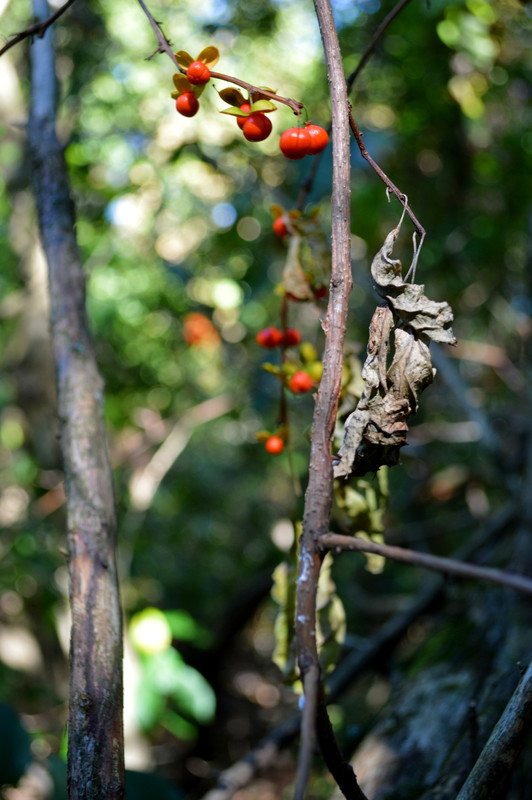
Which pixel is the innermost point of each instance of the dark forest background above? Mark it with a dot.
(173, 219)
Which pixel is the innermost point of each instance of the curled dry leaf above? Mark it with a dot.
(377, 428)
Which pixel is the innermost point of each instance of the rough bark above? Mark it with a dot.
(95, 747)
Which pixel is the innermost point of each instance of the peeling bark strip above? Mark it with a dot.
(95, 744)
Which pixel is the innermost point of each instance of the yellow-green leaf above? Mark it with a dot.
(209, 56)
(276, 210)
(184, 59)
(232, 96)
(263, 105)
(181, 83)
(234, 112)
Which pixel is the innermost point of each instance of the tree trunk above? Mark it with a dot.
(95, 746)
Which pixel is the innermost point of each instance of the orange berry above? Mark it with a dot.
(187, 104)
(198, 73)
(270, 338)
(274, 445)
(319, 139)
(257, 127)
(291, 337)
(300, 382)
(279, 227)
(295, 143)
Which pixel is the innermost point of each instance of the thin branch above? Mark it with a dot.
(390, 186)
(340, 769)
(164, 44)
(37, 29)
(145, 482)
(490, 774)
(165, 47)
(370, 49)
(449, 566)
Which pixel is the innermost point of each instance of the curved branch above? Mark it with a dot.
(37, 29)
(449, 566)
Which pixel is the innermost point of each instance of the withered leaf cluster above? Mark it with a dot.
(378, 427)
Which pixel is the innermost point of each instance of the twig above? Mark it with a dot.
(37, 29)
(449, 566)
(340, 769)
(165, 47)
(145, 482)
(488, 777)
(368, 52)
(385, 179)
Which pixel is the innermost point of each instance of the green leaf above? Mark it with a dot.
(232, 96)
(168, 675)
(263, 105)
(185, 628)
(234, 112)
(184, 59)
(272, 368)
(179, 727)
(209, 56)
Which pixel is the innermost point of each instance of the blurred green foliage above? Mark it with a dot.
(173, 219)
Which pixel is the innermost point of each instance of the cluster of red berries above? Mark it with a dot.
(297, 143)
(270, 338)
(251, 115)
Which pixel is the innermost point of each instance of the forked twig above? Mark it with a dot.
(37, 29)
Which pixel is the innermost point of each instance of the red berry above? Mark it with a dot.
(279, 227)
(240, 120)
(257, 127)
(274, 445)
(320, 292)
(319, 139)
(300, 382)
(270, 338)
(187, 104)
(295, 143)
(291, 337)
(198, 73)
